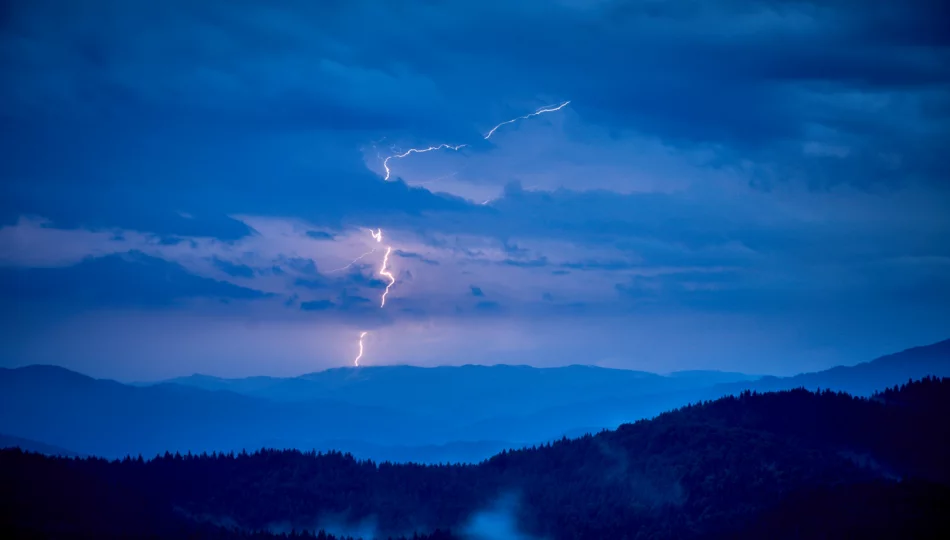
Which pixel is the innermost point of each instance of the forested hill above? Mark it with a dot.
(712, 469)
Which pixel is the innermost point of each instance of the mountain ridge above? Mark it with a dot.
(392, 410)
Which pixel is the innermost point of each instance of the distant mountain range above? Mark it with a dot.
(27, 445)
(777, 465)
(866, 378)
(397, 413)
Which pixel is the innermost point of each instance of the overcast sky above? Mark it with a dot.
(759, 186)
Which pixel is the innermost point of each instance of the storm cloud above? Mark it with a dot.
(775, 166)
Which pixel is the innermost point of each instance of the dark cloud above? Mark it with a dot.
(901, 286)
(416, 256)
(810, 135)
(350, 300)
(320, 235)
(233, 269)
(531, 263)
(343, 284)
(476, 291)
(170, 240)
(762, 77)
(488, 306)
(311, 283)
(600, 265)
(301, 265)
(317, 305)
(124, 280)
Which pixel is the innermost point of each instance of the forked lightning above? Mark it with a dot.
(383, 271)
(378, 233)
(417, 151)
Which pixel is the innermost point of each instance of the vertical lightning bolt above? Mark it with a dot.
(417, 151)
(378, 236)
(538, 112)
(356, 361)
(383, 271)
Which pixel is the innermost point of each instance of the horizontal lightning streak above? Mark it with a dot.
(417, 151)
(540, 111)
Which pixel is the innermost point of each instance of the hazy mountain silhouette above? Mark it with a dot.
(400, 413)
(27, 445)
(861, 380)
(102, 417)
(471, 392)
(432, 414)
(866, 378)
(791, 464)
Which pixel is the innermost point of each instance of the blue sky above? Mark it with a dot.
(744, 185)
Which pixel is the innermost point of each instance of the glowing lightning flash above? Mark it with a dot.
(417, 151)
(384, 272)
(378, 233)
(540, 111)
(354, 261)
(378, 236)
(356, 362)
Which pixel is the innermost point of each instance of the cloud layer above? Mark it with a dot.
(776, 166)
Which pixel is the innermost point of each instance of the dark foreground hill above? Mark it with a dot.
(733, 467)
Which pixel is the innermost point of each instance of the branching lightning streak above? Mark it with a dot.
(356, 361)
(540, 111)
(354, 261)
(378, 236)
(384, 272)
(417, 151)
(378, 233)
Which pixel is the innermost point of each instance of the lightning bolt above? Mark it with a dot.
(354, 261)
(538, 112)
(378, 233)
(384, 272)
(356, 361)
(417, 151)
(378, 236)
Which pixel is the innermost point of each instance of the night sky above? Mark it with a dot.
(756, 186)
